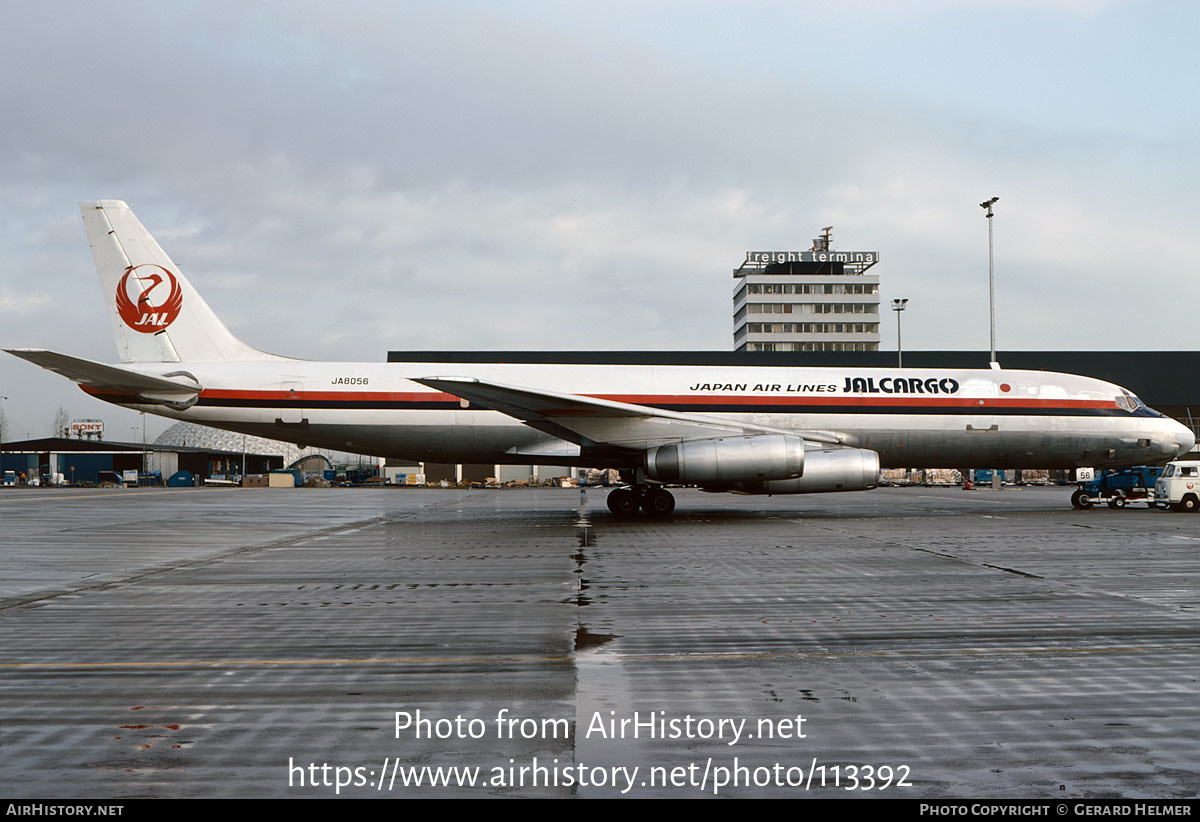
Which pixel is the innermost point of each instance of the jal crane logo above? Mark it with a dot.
(140, 313)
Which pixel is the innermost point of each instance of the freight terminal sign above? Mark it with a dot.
(768, 257)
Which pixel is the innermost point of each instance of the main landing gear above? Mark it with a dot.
(653, 499)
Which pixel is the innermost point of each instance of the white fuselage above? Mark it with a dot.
(911, 417)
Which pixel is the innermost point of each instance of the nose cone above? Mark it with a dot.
(1185, 440)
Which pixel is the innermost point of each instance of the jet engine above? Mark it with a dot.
(836, 469)
(758, 458)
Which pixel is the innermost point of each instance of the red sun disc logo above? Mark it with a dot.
(139, 312)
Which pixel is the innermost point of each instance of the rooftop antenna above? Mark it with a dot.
(822, 243)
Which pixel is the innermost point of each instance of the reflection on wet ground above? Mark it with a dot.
(982, 644)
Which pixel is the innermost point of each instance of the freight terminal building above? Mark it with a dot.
(818, 300)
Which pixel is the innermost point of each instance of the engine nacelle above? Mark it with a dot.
(838, 469)
(758, 458)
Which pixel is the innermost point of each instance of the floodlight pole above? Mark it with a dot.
(899, 305)
(987, 205)
(997, 482)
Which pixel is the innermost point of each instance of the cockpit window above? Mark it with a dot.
(1129, 402)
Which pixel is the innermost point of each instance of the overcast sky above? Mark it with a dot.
(344, 179)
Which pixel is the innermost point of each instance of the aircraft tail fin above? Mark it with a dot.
(157, 315)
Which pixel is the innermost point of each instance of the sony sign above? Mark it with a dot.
(87, 428)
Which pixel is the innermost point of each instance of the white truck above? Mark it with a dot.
(1179, 486)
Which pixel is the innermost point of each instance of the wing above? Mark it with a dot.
(591, 422)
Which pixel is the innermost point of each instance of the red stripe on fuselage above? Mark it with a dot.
(275, 395)
(852, 400)
(749, 401)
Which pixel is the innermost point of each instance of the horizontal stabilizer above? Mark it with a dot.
(594, 422)
(178, 390)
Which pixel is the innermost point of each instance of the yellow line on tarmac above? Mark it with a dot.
(600, 655)
(217, 663)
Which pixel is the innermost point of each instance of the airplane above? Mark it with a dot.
(762, 429)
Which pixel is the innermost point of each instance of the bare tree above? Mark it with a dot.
(62, 423)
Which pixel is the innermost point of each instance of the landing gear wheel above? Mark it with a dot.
(658, 502)
(1117, 502)
(1081, 500)
(623, 502)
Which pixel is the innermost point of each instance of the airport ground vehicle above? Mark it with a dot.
(1179, 486)
(752, 428)
(1117, 488)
